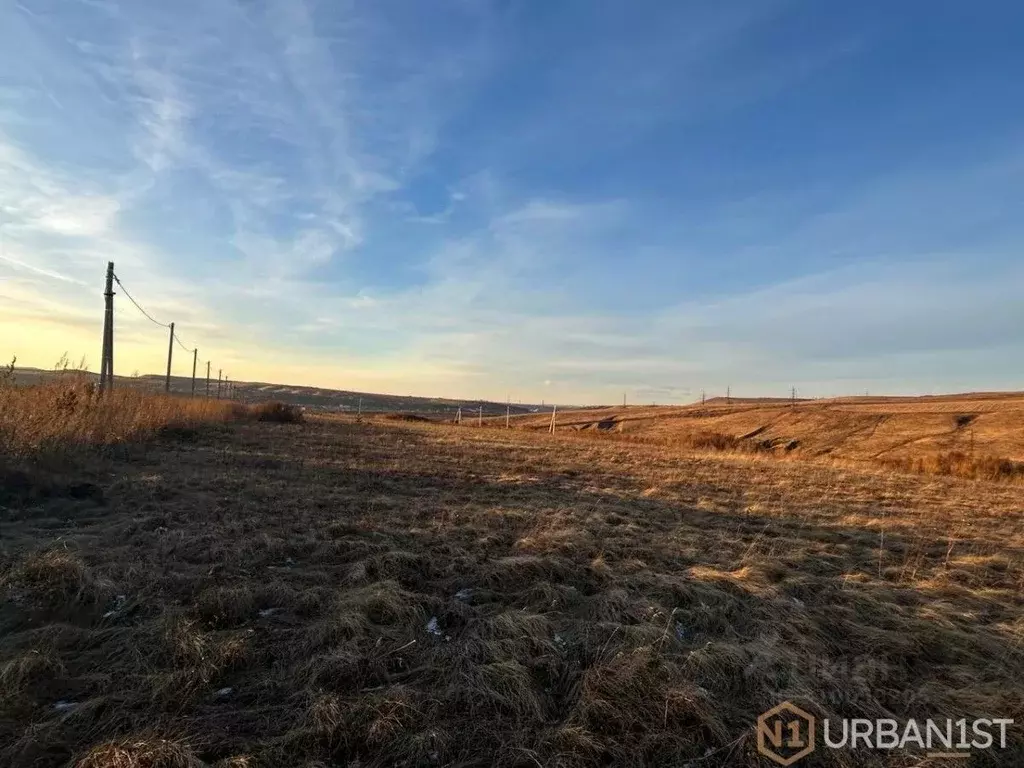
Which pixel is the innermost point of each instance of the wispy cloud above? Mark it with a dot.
(487, 197)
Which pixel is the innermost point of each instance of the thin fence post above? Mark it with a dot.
(554, 410)
(195, 362)
(170, 354)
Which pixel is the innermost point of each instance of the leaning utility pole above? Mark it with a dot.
(554, 410)
(170, 354)
(107, 357)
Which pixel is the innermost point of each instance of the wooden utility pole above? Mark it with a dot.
(554, 410)
(792, 398)
(195, 362)
(220, 376)
(728, 395)
(170, 355)
(107, 357)
(508, 412)
(458, 416)
(623, 399)
(702, 397)
(359, 410)
(480, 417)
(207, 379)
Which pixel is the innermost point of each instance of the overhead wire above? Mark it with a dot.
(137, 305)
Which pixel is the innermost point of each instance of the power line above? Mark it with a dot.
(138, 307)
(182, 345)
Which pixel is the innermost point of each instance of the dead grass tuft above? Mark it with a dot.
(56, 577)
(277, 412)
(957, 464)
(145, 752)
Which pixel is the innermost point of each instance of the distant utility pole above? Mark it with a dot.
(195, 362)
(702, 397)
(220, 375)
(480, 417)
(170, 354)
(359, 410)
(623, 399)
(792, 396)
(107, 358)
(207, 379)
(508, 411)
(554, 410)
(728, 395)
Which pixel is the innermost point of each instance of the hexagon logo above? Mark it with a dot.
(785, 734)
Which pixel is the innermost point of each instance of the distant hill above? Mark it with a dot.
(313, 398)
(981, 424)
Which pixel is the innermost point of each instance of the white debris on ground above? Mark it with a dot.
(65, 706)
(267, 612)
(433, 627)
(464, 594)
(119, 602)
(225, 691)
(681, 632)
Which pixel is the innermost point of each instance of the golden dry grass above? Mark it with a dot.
(975, 435)
(70, 412)
(402, 593)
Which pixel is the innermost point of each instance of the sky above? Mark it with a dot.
(568, 201)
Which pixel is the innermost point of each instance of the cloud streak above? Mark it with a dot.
(486, 198)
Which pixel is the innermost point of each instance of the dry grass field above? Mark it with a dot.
(975, 435)
(241, 593)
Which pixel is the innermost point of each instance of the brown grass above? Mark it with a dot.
(418, 594)
(977, 436)
(70, 413)
(281, 413)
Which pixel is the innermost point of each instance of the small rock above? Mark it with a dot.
(64, 706)
(433, 627)
(464, 594)
(267, 612)
(225, 691)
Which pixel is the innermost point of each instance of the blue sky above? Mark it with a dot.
(556, 200)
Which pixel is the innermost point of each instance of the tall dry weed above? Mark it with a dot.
(70, 412)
